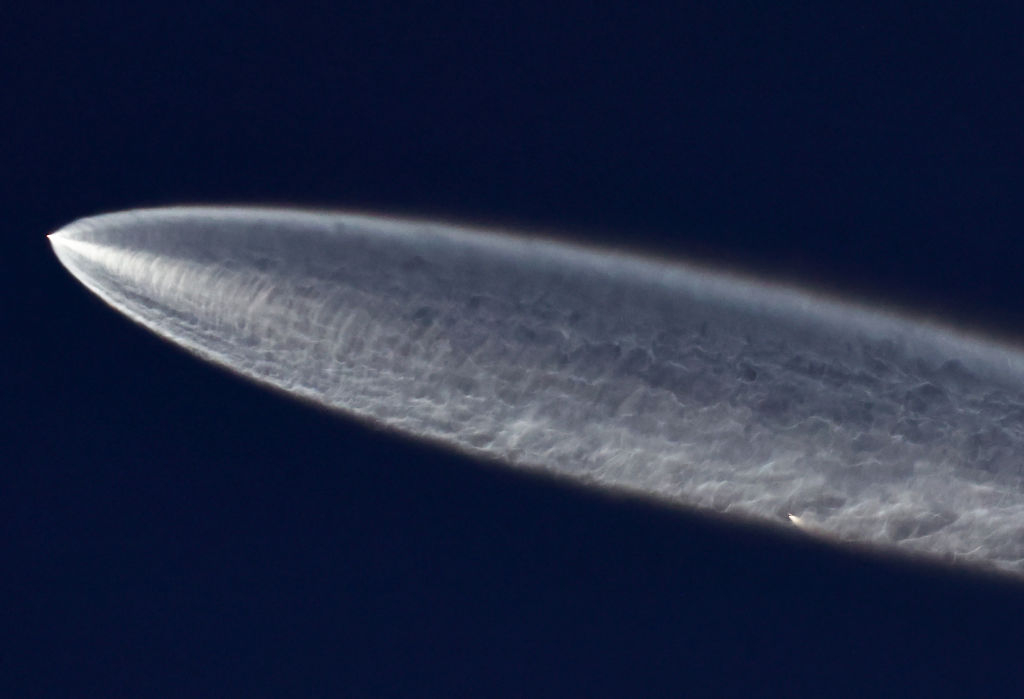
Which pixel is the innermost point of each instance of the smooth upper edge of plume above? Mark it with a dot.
(725, 284)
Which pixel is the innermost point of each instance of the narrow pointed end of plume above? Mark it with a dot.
(57, 241)
(65, 236)
(63, 245)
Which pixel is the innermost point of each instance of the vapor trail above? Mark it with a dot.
(717, 392)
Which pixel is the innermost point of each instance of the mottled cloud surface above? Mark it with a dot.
(717, 392)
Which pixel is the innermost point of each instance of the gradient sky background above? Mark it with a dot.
(170, 529)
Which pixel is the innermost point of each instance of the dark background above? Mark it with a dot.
(171, 530)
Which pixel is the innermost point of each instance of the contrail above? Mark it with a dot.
(717, 392)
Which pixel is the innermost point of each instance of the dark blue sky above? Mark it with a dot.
(170, 529)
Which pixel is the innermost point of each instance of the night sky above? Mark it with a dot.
(171, 530)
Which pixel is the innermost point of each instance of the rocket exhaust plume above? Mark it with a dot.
(716, 392)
